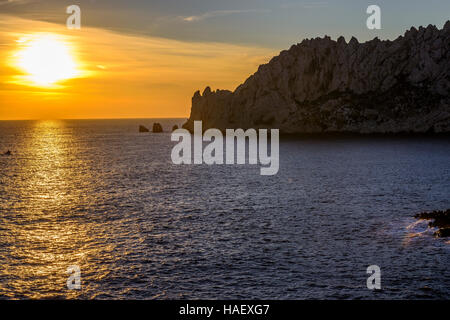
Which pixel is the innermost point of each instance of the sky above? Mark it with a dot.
(145, 59)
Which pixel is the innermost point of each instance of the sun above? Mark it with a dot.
(46, 60)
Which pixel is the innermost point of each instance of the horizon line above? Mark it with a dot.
(60, 119)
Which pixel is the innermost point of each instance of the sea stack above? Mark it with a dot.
(157, 128)
(143, 129)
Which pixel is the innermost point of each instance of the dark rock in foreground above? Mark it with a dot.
(441, 220)
(143, 129)
(443, 233)
(322, 85)
(157, 128)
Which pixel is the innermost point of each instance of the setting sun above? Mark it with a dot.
(46, 60)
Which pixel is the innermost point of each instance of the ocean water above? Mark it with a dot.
(100, 195)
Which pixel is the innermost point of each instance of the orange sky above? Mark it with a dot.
(121, 76)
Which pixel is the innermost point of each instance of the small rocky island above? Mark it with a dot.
(326, 86)
(157, 128)
(440, 219)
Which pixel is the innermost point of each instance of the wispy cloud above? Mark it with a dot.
(161, 75)
(221, 13)
(14, 2)
(305, 5)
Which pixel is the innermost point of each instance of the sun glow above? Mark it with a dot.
(46, 60)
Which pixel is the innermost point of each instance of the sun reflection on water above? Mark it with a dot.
(43, 237)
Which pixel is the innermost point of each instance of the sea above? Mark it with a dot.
(100, 196)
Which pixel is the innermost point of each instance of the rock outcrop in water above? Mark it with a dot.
(321, 85)
(157, 128)
(441, 220)
(143, 129)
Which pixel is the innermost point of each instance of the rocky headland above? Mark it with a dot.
(326, 86)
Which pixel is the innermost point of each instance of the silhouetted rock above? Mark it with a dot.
(8, 153)
(321, 85)
(441, 220)
(157, 128)
(175, 127)
(443, 233)
(143, 129)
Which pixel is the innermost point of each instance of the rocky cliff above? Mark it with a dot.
(321, 85)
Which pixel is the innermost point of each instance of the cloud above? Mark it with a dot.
(221, 13)
(14, 2)
(305, 5)
(141, 76)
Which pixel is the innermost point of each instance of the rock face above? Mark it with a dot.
(143, 129)
(157, 128)
(441, 220)
(321, 85)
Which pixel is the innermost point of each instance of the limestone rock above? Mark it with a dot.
(440, 219)
(321, 85)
